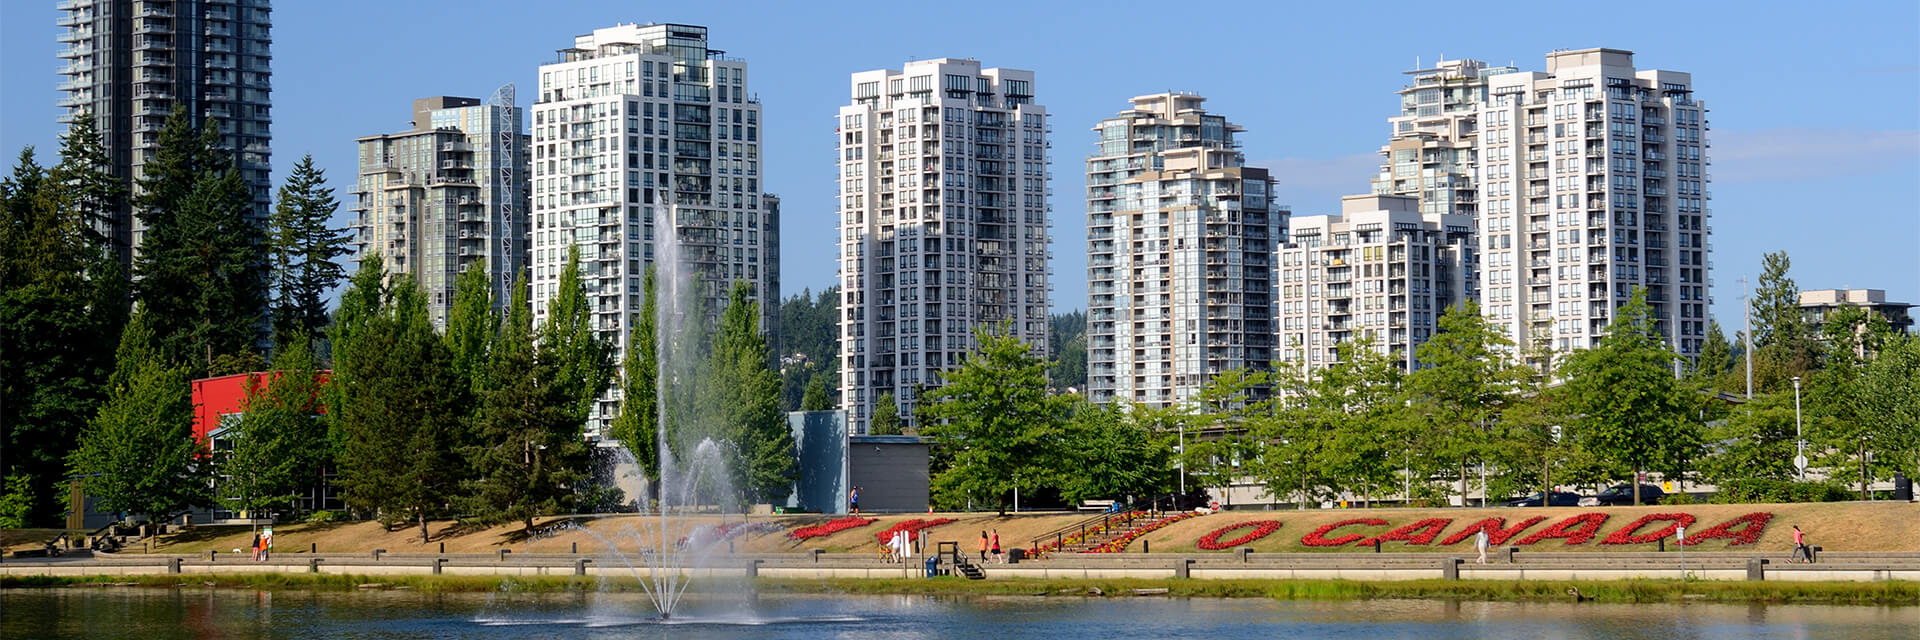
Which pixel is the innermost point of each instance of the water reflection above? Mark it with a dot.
(209, 613)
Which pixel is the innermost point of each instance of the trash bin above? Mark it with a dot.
(933, 566)
(1902, 487)
(1015, 555)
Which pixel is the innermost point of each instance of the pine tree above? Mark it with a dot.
(530, 452)
(637, 426)
(816, 397)
(1781, 339)
(886, 416)
(93, 193)
(398, 426)
(304, 250)
(748, 397)
(1715, 358)
(62, 308)
(140, 451)
(199, 265)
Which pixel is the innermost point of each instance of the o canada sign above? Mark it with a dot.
(1578, 529)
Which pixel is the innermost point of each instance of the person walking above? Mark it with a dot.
(997, 559)
(1480, 545)
(1800, 551)
(853, 500)
(983, 547)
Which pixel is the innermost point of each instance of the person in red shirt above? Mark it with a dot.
(1800, 551)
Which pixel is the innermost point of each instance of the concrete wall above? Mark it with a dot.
(891, 472)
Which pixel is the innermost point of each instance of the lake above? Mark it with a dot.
(155, 613)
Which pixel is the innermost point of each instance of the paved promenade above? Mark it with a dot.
(1503, 565)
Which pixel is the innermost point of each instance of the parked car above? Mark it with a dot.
(1622, 495)
(1559, 499)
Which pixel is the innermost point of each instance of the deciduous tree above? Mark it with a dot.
(994, 417)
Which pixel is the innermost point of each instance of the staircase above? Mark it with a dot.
(971, 571)
(1119, 527)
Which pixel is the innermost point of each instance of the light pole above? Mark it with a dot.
(1799, 438)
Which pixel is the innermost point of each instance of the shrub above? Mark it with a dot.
(326, 516)
(1750, 490)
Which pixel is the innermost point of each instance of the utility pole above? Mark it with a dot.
(1746, 304)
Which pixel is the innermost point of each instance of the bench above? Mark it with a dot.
(1096, 505)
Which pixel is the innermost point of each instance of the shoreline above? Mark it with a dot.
(1885, 593)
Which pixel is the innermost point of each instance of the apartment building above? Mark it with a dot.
(1593, 182)
(1381, 269)
(1817, 304)
(1431, 154)
(641, 131)
(943, 224)
(130, 63)
(446, 194)
(1180, 242)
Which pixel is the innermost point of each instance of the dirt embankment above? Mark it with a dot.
(1880, 526)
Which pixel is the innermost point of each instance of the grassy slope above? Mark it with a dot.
(1836, 526)
(1881, 526)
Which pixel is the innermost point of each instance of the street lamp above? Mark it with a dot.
(1799, 438)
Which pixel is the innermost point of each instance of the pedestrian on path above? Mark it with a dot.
(983, 547)
(996, 547)
(1801, 553)
(853, 500)
(1480, 545)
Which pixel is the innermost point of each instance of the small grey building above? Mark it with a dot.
(891, 471)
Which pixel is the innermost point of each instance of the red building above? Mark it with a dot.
(218, 404)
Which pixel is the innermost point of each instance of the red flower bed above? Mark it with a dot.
(1496, 528)
(830, 528)
(1261, 529)
(1575, 530)
(1626, 534)
(1317, 537)
(1756, 524)
(1420, 533)
(1119, 544)
(909, 526)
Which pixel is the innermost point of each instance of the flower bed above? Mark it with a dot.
(909, 526)
(1119, 544)
(1497, 531)
(1076, 537)
(1418, 533)
(1261, 529)
(829, 528)
(716, 534)
(1317, 537)
(1756, 524)
(1575, 530)
(1626, 534)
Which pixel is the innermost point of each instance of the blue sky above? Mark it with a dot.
(1815, 106)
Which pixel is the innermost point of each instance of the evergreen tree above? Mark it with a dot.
(886, 416)
(398, 425)
(1468, 378)
(272, 455)
(304, 250)
(584, 360)
(139, 453)
(816, 398)
(637, 427)
(1067, 341)
(530, 452)
(92, 191)
(1782, 342)
(747, 395)
(993, 416)
(1626, 403)
(1715, 360)
(198, 265)
(63, 305)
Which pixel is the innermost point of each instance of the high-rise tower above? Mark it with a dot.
(448, 193)
(130, 63)
(636, 126)
(1180, 245)
(943, 224)
(1593, 182)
